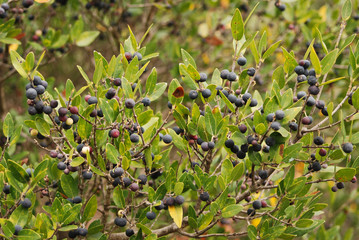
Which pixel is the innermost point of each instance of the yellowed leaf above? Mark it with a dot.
(42, 1)
(176, 213)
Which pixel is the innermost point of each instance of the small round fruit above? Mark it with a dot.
(27, 3)
(314, 90)
(347, 147)
(26, 203)
(206, 93)
(322, 152)
(77, 199)
(134, 187)
(126, 181)
(193, 94)
(92, 100)
(110, 93)
(279, 115)
(6, 189)
(312, 80)
(275, 126)
(320, 104)
(87, 175)
(270, 141)
(301, 94)
(117, 81)
(242, 128)
(310, 101)
(242, 61)
(270, 117)
(62, 111)
(263, 174)
(170, 201)
(301, 78)
(69, 121)
(143, 179)
(179, 200)
(316, 166)
(61, 166)
(40, 89)
(293, 126)
(130, 103)
(257, 204)
(18, 228)
(224, 74)
(204, 146)
(129, 232)
(264, 204)
(334, 189)
(204, 196)
(354, 179)
(340, 185)
(31, 93)
(114, 133)
(121, 222)
(134, 138)
(251, 71)
(251, 212)
(82, 231)
(150, 215)
(253, 103)
(318, 140)
(232, 77)
(47, 110)
(203, 77)
(146, 102)
(229, 143)
(307, 120)
(246, 97)
(211, 145)
(167, 138)
(299, 70)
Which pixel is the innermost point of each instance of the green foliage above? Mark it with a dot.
(131, 142)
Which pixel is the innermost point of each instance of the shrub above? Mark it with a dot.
(115, 168)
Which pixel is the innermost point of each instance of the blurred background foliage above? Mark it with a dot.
(69, 32)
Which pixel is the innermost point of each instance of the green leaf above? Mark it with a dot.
(151, 81)
(42, 126)
(231, 210)
(237, 25)
(176, 213)
(304, 223)
(345, 174)
(84, 75)
(177, 140)
(330, 109)
(8, 126)
(86, 38)
(77, 161)
(69, 185)
(98, 72)
(355, 99)
(90, 209)
(70, 88)
(16, 61)
(328, 61)
(30, 60)
(112, 153)
(315, 61)
(158, 91)
(187, 58)
(17, 171)
(178, 188)
(118, 197)
(10, 41)
(205, 221)
(271, 49)
(28, 234)
(227, 102)
(347, 10)
(237, 172)
(133, 39)
(68, 228)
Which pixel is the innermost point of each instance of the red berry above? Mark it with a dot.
(322, 152)
(264, 204)
(87, 97)
(115, 133)
(354, 179)
(74, 110)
